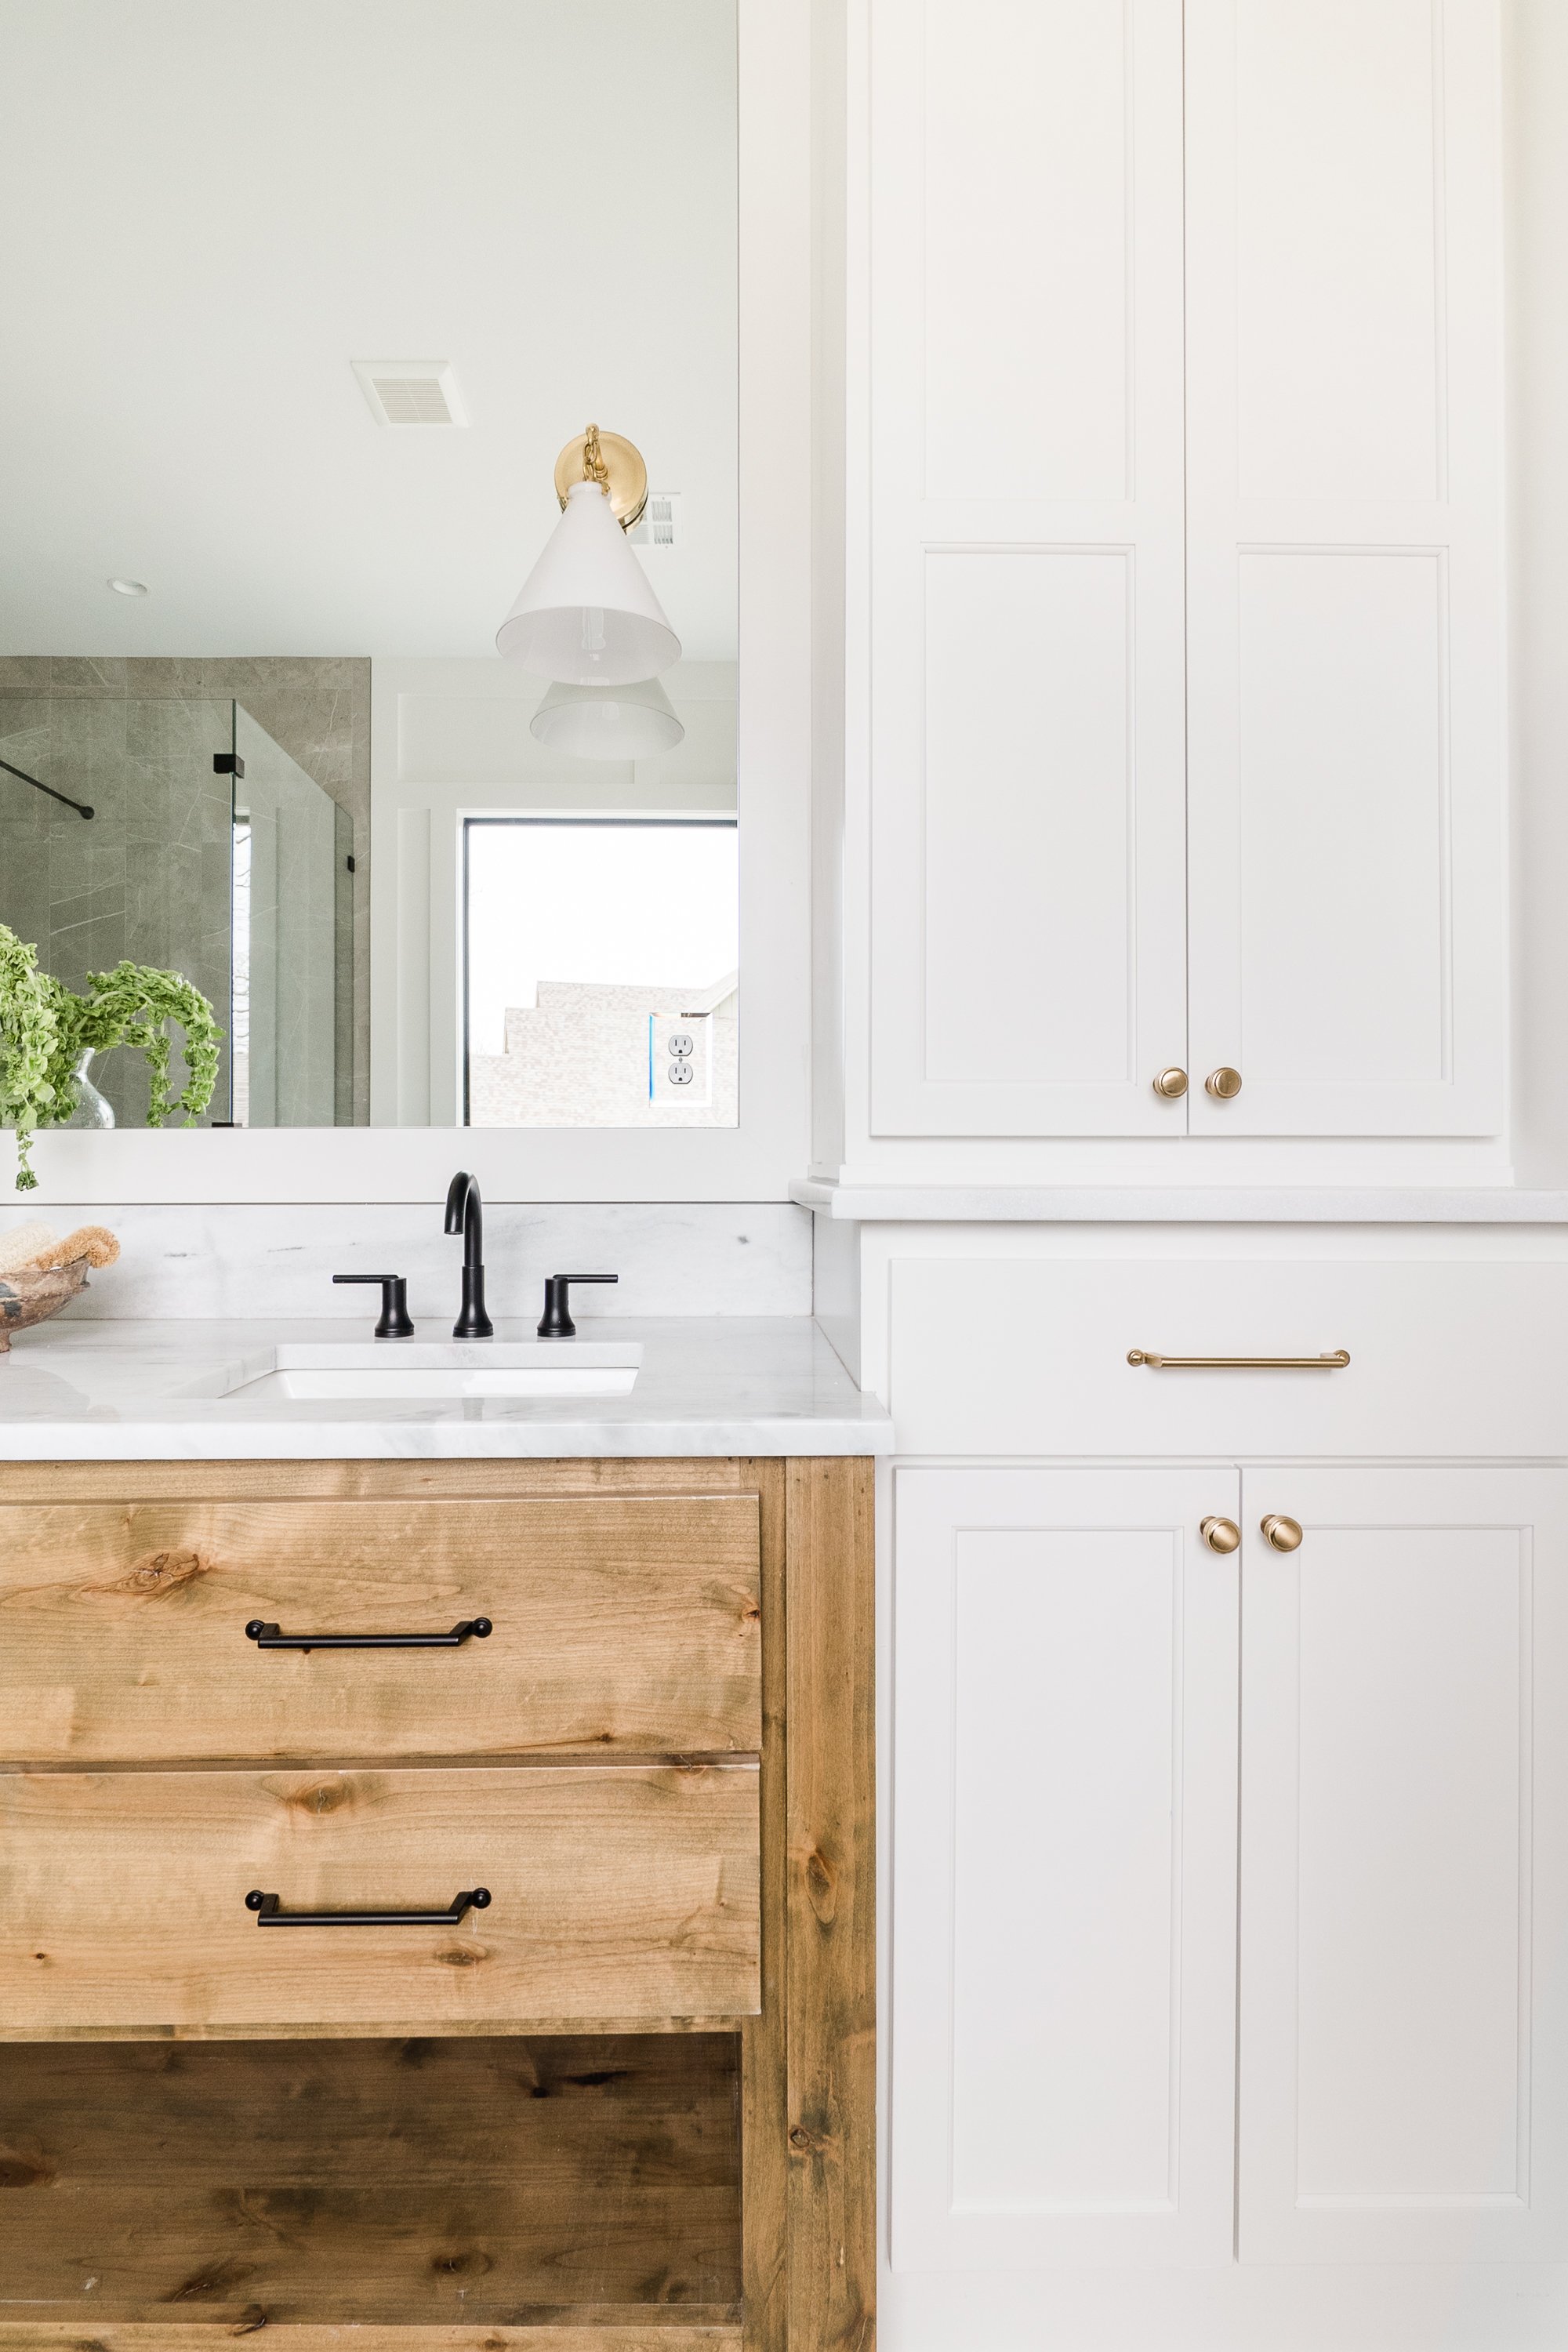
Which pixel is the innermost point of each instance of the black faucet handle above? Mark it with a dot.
(556, 1322)
(394, 1323)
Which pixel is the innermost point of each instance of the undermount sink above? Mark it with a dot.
(391, 1371)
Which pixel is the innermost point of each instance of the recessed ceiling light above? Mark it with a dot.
(129, 587)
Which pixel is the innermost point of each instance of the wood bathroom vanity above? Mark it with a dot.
(575, 2046)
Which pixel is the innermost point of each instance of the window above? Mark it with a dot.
(600, 984)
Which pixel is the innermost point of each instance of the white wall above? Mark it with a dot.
(1536, 152)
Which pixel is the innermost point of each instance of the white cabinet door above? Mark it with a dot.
(1405, 1868)
(1064, 1878)
(1347, 781)
(1027, 844)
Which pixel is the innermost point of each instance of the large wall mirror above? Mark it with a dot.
(344, 339)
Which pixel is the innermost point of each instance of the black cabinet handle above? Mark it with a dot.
(268, 1915)
(268, 1637)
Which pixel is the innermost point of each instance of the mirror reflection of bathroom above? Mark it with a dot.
(199, 850)
(398, 664)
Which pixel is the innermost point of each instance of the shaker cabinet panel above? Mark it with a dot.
(1027, 866)
(1345, 673)
(1065, 1691)
(1403, 2045)
(1187, 740)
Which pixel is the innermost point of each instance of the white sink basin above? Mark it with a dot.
(399, 1371)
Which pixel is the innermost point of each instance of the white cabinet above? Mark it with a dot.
(1065, 1868)
(1345, 667)
(1185, 562)
(1405, 1868)
(1072, 1670)
(1027, 873)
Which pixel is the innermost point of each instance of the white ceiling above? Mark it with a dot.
(210, 208)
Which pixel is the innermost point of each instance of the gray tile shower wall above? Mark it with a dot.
(318, 710)
(266, 1262)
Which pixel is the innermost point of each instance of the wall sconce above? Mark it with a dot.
(596, 722)
(586, 615)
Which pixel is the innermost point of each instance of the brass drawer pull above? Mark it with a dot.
(268, 1637)
(268, 1915)
(1220, 1535)
(1334, 1363)
(1283, 1534)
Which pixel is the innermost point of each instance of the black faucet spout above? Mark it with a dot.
(465, 1213)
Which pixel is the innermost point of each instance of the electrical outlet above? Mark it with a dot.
(680, 1059)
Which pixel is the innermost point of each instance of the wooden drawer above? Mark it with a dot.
(620, 1625)
(1029, 1356)
(619, 1891)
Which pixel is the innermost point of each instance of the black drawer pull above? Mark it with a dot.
(268, 1915)
(268, 1637)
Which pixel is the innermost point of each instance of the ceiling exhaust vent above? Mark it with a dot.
(411, 392)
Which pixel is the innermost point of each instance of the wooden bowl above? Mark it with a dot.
(34, 1296)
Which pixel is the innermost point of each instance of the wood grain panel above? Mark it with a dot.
(764, 2082)
(654, 2334)
(621, 1625)
(831, 1989)
(617, 1891)
(433, 2182)
(465, 1480)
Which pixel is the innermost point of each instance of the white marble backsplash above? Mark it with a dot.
(256, 1261)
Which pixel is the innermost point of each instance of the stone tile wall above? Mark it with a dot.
(317, 711)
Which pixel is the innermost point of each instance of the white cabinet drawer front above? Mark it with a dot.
(1029, 1356)
(1404, 1893)
(1064, 1693)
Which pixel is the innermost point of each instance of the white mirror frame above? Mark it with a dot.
(757, 1160)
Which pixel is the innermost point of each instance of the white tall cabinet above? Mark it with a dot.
(1225, 1902)
(1187, 685)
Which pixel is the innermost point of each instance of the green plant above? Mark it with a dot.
(45, 1029)
(129, 1006)
(29, 1035)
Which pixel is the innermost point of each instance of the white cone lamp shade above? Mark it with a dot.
(597, 722)
(586, 616)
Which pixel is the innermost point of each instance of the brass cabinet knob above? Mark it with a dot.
(1171, 1083)
(1224, 1084)
(1284, 1534)
(1220, 1535)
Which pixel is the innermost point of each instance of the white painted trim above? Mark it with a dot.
(756, 1161)
(1219, 1205)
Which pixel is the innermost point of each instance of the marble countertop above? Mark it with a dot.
(125, 1392)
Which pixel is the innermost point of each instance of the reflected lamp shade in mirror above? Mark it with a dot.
(586, 615)
(623, 722)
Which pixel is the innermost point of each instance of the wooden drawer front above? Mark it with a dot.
(629, 1626)
(1029, 1356)
(620, 1891)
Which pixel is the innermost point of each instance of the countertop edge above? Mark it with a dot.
(1192, 1205)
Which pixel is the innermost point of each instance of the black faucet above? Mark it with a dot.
(466, 1210)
